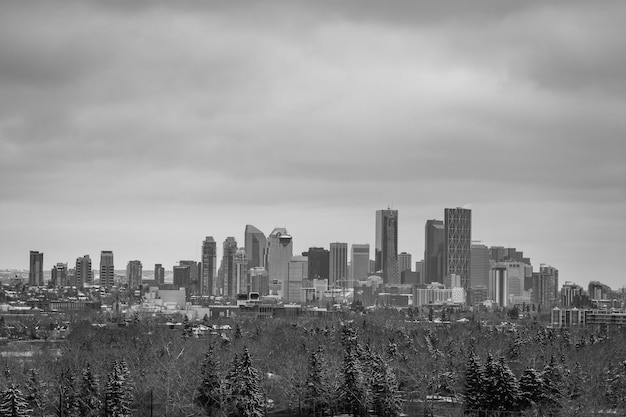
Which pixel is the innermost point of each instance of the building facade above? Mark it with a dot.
(360, 262)
(479, 266)
(208, 283)
(107, 269)
(134, 271)
(255, 242)
(83, 274)
(228, 280)
(386, 249)
(278, 253)
(404, 262)
(458, 242)
(159, 274)
(35, 271)
(433, 253)
(319, 263)
(338, 260)
(59, 275)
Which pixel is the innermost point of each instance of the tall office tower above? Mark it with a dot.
(83, 274)
(360, 262)
(59, 275)
(515, 273)
(433, 254)
(319, 263)
(35, 273)
(255, 242)
(404, 261)
(499, 285)
(259, 281)
(545, 288)
(182, 277)
(298, 271)
(107, 269)
(278, 253)
(240, 263)
(134, 270)
(338, 273)
(159, 274)
(479, 266)
(228, 284)
(419, 270)
(193, 286)
(208, 284)
(387, 245)
(458, 243)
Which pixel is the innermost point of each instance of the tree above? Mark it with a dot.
(68, 395)
(531, 388)
(245, 388)
(13, 403)
(552, 389)
(317, 392)
(209, 395)
(474, 384)
(117, 395)
(187, 328)
(505, 395)
(386, 396)
(34, 395)
(353, 390)
(89, 391)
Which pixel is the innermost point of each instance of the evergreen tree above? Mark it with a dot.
(386, 395)
(552, 389)
(68, 395)
(474, 384)
(117, 394)
(531, 388)
(209, 395)
(89, 391)
(353, 389)
(317, 393)
(245, 388)
(187, 328)
(506, 395)
(34, 395)
(616, 385)
(13, 404)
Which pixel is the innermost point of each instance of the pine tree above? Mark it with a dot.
(69, 400)
(353, 388)
(34, 395)
(117, 395)
(210, 395)
(245, 388)
(386, 396)
(506, 396)
(474, 384)
(317, 393)
(89, 387)
(552, 389)
(13, 403)
(531, 388)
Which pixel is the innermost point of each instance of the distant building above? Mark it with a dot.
(193, 286)
(134, 271)
(259, 281)
(499, 285)
(419, 270)
(479, 266)
(545, 285)
(208, 284)
(338, 274)
(107, 269)
(319, 263)
(35, 272)
(255, 243)
(159, 274)
(83, 273)
(404, 262)
(59, 275)
(298, 272)
(386, 252)
(278, 253)
(360, 262)
(515, 273)
(182, 277)
(457, 245)
(241, 272)
(228, 280)
(433, 253)
(573, 295)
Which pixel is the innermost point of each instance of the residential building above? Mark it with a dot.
(159, 274)
(134, 271)
(35, 272)
(59, 275)
(83, 274)
(545, 285)
(228, 279)
(107, 269)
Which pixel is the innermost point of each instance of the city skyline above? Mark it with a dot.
(143, 128)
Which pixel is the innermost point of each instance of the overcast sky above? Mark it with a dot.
(142, 127)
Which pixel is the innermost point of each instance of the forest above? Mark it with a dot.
(381, 363)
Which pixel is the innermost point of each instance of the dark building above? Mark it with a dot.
(107, 269)
(545, 287)
(208, 284)
(159, 274)
(59, 275)
(434, 252)
(182, 276)
(386, 255)
(193, 286)
(229, 282)
(83, 273)
(255, 243)
(134, 271)
(319, 263)
(338, 274)
(458, 243)
(35, 272)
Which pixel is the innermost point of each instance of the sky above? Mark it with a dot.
(142, 127)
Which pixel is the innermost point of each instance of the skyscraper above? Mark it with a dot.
(107, 269)
(458, 241)
(479, 266)
(255, 242)
(134, 270)
(404, 262)
(338, 273)
(433, 252)
(193, 286)
(59, 275)
(278, 253)
(319, 263)
(35, 272)
(360, 258)
(208, 284)
(83, 274)
(545, 286)
(228, 279)
(242, 281)
(297, 272)
(387, 245)
(159, 274)
(182, 277)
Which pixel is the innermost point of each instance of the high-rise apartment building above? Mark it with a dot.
(83, 273)
(458, 242)
(242, 282)
(35, 272)
(386, 254)
(434, 253)
(404, 262)
(319, 263)
(59, 275)
(208, 284)
(338, 260)
(360, 262)
(255, 243)
(134, 271)
(573, 295)
(479, 266)
(228, 279)
(545, 287)
(278, 253)
(499, 285)
(193, 285)
(159, 274)
(107, 269)
(259, 281)
(182, 277)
